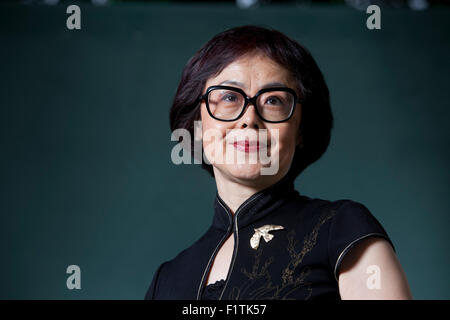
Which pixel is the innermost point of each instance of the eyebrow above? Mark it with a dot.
(240, 84)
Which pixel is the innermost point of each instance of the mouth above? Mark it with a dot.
(247, 146)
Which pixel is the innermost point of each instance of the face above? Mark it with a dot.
(243, 162)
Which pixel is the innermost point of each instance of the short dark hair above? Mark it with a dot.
(224, 48)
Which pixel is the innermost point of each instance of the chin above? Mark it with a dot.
(244, 171)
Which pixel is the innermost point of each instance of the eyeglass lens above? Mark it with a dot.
(272, 105)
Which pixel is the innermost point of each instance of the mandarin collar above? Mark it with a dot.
(255, 207)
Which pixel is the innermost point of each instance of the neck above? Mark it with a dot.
(235, 191)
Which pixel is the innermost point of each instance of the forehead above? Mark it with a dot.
(254, 67)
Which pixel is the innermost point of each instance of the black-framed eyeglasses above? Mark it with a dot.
(227, 103)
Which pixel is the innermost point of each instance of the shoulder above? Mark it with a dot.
(351, 224)
(318, 209)
(344, 223)
(359, 250)
(343, 214)
(370, 265)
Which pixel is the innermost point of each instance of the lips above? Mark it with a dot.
(247, 146)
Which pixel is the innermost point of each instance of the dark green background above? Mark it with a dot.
(86, 175)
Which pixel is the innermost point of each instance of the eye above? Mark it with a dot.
(229, 97)
(273, 100)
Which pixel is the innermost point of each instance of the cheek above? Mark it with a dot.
(286, 141)
(212, 130)
(286, 137)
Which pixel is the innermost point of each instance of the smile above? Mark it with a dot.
(247, 146)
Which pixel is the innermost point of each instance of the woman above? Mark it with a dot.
(266, 240)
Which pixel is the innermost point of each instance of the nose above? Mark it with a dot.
(250, 118)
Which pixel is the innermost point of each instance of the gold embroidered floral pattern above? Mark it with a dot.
(260, 285)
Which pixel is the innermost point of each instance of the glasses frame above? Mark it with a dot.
(249, 100)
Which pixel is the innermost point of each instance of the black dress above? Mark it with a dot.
(286, 246)
(213, 290)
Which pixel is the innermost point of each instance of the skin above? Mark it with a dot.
(353, 274)
(236, 183)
